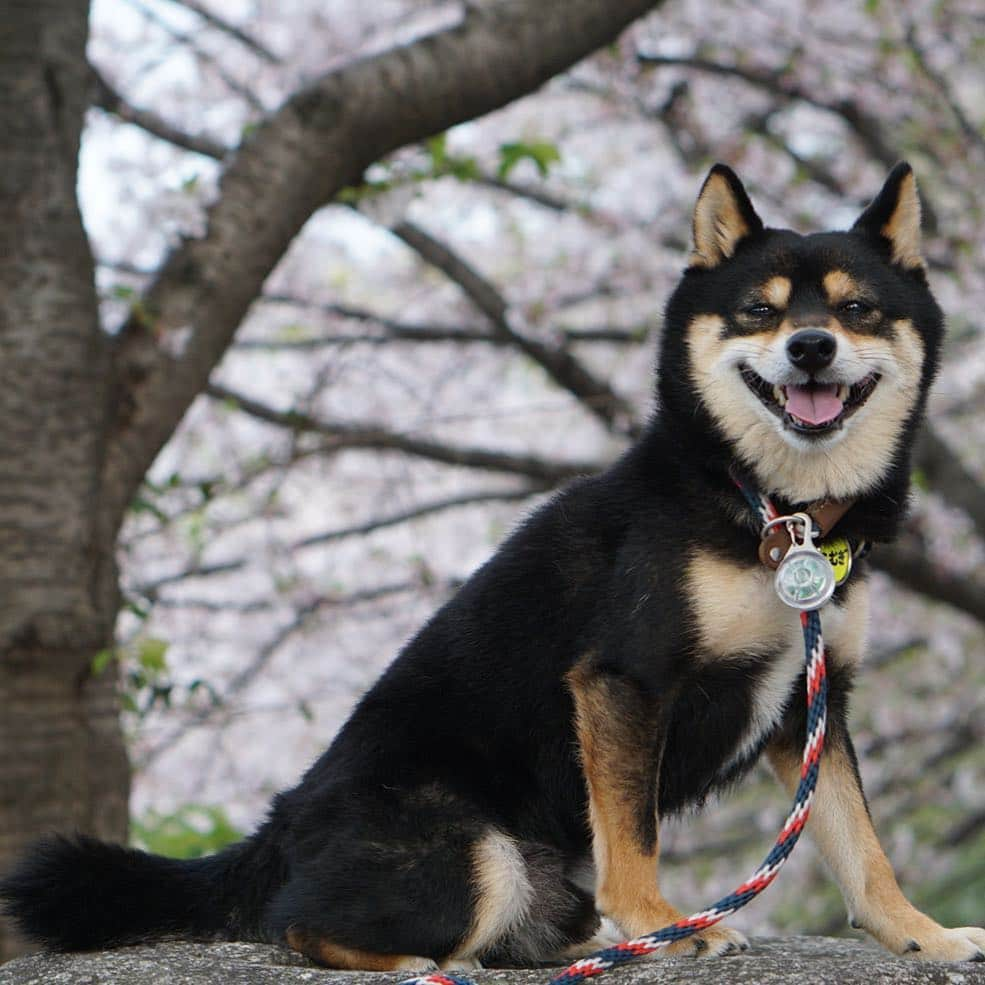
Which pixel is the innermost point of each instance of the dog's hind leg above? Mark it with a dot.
(418, 879)
(620, 739)
(324, 952)
(528, 910)
(460, 898)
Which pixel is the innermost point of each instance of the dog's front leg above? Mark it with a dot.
(841, 827)
(620, 740)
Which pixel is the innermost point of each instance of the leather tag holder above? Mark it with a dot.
(825, 516)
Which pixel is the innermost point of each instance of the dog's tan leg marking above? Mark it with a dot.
(842, 829)
(614, 745)
(331, 955)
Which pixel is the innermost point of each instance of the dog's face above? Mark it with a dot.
(811, 355)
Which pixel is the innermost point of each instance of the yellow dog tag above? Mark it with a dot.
(839, 554)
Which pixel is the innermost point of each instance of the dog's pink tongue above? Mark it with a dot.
(816, 403)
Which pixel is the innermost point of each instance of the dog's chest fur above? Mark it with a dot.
(740, 620)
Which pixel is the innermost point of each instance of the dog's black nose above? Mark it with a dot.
(811, 349)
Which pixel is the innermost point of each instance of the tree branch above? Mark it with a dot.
(759, 123)
(944, 90)
(949, 477)
(206, 57)
(296, 160)
(866, 127)
(150, 589)
(106, 98)
(343, 435)
(395, 330)
(258, 49)
(538, 196)
(906, 563)
(560, 365)
(245, 676)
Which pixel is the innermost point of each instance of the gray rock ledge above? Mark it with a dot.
(811, 960)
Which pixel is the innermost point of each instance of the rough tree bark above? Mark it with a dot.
(85, 415)
(62, 761)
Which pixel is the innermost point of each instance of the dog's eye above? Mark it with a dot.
(855, 307)
(761, 310)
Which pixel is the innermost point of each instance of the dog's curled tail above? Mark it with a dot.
(74, 894)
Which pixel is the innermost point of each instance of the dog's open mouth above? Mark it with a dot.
(811, 408)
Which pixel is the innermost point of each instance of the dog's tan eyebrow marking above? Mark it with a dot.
(776, 291)
(840, 286)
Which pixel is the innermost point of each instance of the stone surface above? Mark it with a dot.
(813, 960)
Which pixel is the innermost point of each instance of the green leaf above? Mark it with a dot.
(463, 168)
(141, 504)
(354, 194)
(102, 660)
(135, 608)
(437, 148)
(542, 153)
(190, 832)
(151, 655)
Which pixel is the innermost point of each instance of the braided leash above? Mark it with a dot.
(638, 947)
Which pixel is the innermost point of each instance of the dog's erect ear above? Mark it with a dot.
(723, 216)
(893, 218)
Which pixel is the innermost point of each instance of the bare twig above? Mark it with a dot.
(562, 366)
(907, 564)
(237, 33)
(943, 87)
(949, 477)
(759, 123)
(303, 614)
(110, 101)
(150, 589)
(867, 128)
(395, 330)
(185, 38)
(343, 435)
(545, 199)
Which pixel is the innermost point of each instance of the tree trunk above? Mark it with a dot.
(62, 759)
(81, 424)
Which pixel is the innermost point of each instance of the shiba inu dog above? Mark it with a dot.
(620, 658)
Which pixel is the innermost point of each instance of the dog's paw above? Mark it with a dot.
(607, 935)
(461, 964)
(914, 935)
(942, 944)
(414, 963)
(714, 942)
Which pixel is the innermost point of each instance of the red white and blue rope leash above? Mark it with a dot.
(638, 947)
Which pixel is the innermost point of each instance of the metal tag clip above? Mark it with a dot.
(805, 579)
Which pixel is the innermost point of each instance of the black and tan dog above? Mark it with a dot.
(622, 656)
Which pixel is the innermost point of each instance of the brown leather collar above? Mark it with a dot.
(773, 548)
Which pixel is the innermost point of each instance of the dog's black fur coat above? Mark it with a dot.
(472, 726)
